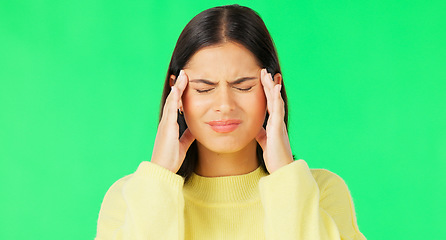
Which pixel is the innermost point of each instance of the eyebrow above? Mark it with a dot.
(238, 81)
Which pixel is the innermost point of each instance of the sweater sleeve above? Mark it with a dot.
(295, 208)
(148, 204)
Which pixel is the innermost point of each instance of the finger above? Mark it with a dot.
(173, 99)
(272, 92)
(182, 82)
(171, 105)
(265, 81)
(261, 138)
(268, 81)
(279, 111)
(266, 89)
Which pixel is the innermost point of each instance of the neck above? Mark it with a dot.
(213, 164)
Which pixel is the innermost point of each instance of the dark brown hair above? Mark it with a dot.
(230, 23)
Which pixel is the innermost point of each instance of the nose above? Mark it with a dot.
(224, 101)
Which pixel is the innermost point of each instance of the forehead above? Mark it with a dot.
(223, 60)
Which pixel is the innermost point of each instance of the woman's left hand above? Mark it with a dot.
(274, 139)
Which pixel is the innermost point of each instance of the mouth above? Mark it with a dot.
(224, 126)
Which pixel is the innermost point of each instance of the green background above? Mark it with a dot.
(81, 83)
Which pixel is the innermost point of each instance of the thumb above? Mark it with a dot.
(261, 138)
(186, 139)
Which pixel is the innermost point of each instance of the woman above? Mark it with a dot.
(222, 166)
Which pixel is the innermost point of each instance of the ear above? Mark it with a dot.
(172, 80)
(278, 78)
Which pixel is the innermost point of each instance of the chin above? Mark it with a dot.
(225, 146)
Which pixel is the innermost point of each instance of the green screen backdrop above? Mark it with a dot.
(81, 83)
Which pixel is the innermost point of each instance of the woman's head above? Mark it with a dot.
(231, 28)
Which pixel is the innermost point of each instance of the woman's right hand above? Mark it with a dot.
(169, 150)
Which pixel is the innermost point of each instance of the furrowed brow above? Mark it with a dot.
(238, 81)
(243, 79)
(203, 81)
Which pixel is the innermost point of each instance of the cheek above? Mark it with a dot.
(256, 105)
(191, 103)
(193, 108)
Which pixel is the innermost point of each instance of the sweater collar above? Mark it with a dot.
(238, 188)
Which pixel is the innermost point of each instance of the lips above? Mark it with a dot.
(224, 126)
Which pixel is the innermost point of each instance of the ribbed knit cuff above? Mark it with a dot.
(296, 173)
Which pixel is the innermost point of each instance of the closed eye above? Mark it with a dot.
(243, 89)
(210, 89)
(203, 90)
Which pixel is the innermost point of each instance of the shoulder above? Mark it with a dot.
(113, 206)
(145, 168)
(117, 186)
(114, 195)
(329, 182)
(148, 176)
(326, 178)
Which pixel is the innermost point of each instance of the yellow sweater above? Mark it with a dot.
(294, 203)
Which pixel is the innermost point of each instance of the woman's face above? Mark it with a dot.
(224, 103)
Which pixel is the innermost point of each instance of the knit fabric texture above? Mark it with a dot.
(294, 203)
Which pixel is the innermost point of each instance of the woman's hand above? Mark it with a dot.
(274, 140)
(169, 151)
